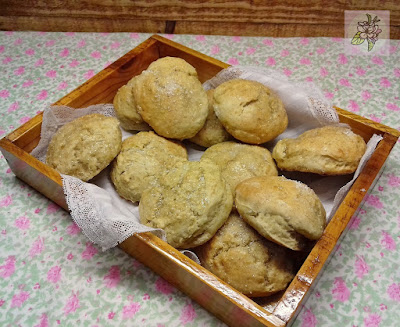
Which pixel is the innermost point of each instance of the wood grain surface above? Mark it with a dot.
(223, 17)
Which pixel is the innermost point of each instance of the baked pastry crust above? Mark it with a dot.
(328, 150)
(190, 204)
(249, 111)
(171, 99)
(284, 211)
(245, 260)
(239, 161)
(85, 146)
(143, 159)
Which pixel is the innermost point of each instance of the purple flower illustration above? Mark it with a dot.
(367, 30)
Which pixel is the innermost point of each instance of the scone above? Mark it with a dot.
(212, 132)
(245, 260)
(249, 111)
(126, 110)
(171, 99)
(239, 161)
(85, 146)
(191, 203)
(328, 150)
(143, 159)
(284, 211)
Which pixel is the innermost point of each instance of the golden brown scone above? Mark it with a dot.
(239, 161)
(85, 146)
(245, 260)
(249, 111)
(125, 108)
(143, 159)
(284, 211)
(212, 132)
(190, 204)
(171, 99)
(328, 150)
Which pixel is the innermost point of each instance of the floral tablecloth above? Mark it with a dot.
(51, 275)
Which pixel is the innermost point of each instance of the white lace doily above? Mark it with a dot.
(107, 219)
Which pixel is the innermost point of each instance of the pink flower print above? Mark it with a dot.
(2, 302)
(8, 268)
(113, 277)
(361, 267)
(89, 251)
(394, 181)
(214, 49)
(250, 51)
(268, 42)
(188, 314)
(287, 72)
(22, 222)
(30, 52)
(377, 60)
(285, 53)
(385, 82)
(394, 291)
(72, 304)
(70, 33)
(270, 61)
(365, 95)
(70, 256)
(329, 95)
(374, 118)
(236, 39)
(42, 95)
(62, 86)
(344, 82)
(54, 274)
(134, 35)
(51, 74)
(309, 79)
(81, 44)
(321, 50)
(89, 74)
(19, 299)
(115, 45)
(392, 107)
(373, 320)
(44, 322)
(396, 72)
(73, 229)
(52, 208)
(304, 41)
(64, 52)
(374, 201)
(360, 71)
(37, 247)
(96, 54)
(40, 62)
(355, 223)
(50, 43)
(340, 292)
(130, 310)
(4, 94)
(74, 63)
(309, 319)
(388, 242)
(18, 42)
(353, 106)
(200, 38)
(111, 315)
(6, 60)
(24, 119)
(323, 72)
(233, 61)
(146, 297)
(342, 59)
(162, 286)
(305, 61)
(27, 83)
(6, 201)
(1, 48)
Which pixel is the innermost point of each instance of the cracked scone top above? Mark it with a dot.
(328, 150)
(171, 99)
(85, 146)
(245, 260)
(143, 159)
(284, 211)
(249, 111)
(190, 204)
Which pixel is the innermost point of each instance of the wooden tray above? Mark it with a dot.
(213, 294)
